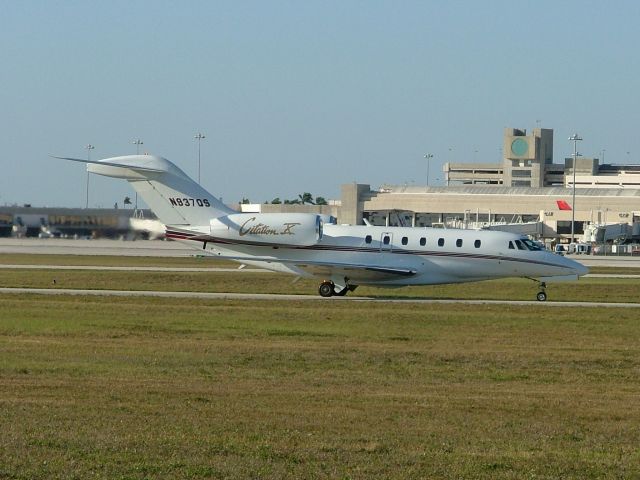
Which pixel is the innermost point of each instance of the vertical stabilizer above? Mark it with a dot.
(174, 197)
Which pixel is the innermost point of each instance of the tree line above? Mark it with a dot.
(303, 199)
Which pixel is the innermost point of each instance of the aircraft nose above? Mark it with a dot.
(579, 268)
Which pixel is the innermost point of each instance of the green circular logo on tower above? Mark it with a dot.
(519, 147)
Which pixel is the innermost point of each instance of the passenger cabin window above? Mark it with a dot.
(511, 245)
(367, 239)
(441, 242)
(405, 240)
(423, 242)
(459, 242)
(520, 245)
(477, 243)
(386, 240)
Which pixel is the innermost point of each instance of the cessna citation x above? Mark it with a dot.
(343, 256)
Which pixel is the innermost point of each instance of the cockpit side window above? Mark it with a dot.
(531, 245)
(520, 245)
(511, 245)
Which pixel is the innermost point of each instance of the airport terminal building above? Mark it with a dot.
(524, 189)
(522, 193)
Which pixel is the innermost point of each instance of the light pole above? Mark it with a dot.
(428, 157)
(575, 138)
(89, 147)
(199, 136)
(137, 142)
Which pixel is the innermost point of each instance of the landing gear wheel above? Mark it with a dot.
(326, 289)
(542, 296)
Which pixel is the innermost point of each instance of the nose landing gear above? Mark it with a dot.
(542, 295)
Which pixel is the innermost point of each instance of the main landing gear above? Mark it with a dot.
(328, 289)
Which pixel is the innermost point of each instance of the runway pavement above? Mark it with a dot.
(63, 246)
(280, 297)
(136, 268)
(607, 261)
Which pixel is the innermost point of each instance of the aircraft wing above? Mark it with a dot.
(356, 272)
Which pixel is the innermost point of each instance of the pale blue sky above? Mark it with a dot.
(300, 96)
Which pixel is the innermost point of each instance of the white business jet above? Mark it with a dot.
(342, 256)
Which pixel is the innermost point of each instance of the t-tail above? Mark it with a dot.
(174, 197)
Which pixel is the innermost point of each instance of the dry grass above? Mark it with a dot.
(157, 388)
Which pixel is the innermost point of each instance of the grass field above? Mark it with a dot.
(135, 388)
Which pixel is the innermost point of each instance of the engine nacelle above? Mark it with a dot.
(299, 229)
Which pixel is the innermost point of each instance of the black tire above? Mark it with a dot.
(326, 289)
(541, 296)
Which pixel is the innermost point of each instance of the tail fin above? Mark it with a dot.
(174, 197)
(562, 205)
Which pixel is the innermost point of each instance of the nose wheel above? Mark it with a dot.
(542, 295)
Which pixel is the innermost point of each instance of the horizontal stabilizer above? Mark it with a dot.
(141, 168)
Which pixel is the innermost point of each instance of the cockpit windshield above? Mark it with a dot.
(531, 245)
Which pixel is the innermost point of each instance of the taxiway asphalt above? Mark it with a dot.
(135, 268)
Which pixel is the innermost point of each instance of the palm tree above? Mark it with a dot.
(306, 197)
